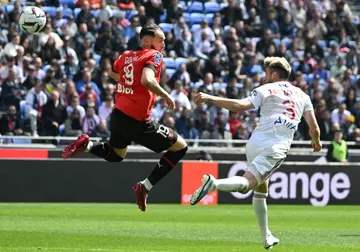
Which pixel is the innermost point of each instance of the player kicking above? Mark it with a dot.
(281, 105)
(138, 75)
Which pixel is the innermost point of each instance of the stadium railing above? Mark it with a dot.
(201, 142)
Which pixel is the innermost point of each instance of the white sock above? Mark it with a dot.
(233, 184)
(147, 184)
(260, 208)
(89, 146)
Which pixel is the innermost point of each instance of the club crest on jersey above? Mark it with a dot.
(254, 93)
(158, 58)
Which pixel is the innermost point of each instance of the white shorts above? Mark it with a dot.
(264, 157)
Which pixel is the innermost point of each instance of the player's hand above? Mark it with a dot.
(317, 146)
(170, 101)
(202, 97)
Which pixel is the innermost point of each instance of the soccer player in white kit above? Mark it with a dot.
(281, 107)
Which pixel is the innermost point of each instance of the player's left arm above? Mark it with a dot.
(229, 104)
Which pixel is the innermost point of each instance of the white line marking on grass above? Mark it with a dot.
(75, 249)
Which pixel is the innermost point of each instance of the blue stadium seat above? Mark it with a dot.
(118, 13)
(130, 14)
(183, 5)
(353, 79)
(210, 18)
(223, 5)
(352, 43)
(239, 85)
(196, 7)
(9, 8)
(277, 42)
(295, 65)
(179, 61)
(49, 10)
(68, 3)
(195, 27)
(226, 28)
(170, 72)
(219, 86)
(163, 17)
(170, 63)
(309, 78)
(211, 7)
(97, 58)
(95, 12)
(166, 27)
(301, 54)
(196, 84)
(76, 12)
(322, 43)
(287, 42)
(67, 12)
(196, 18)
(186, 17)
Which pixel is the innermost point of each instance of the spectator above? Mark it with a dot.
(10, 65)
(339, 115)
(35, 100)
(158, 111)
(251, 122)
(231, 13)
(84, 15)
(10, 123)
(73, 124)
(184, 47)
(46, 34)
(105, 12)
(12, 92)
(134, 42)
(217, 26)
(130, 31)
(253, 26)
(316, 27)
(83, 37)
(208, 86)
(179, 95)
(253, 67)
(337, 150)
(53, 115)
(11, 47)
(75, 105)
(333, 25)
(173, 11)
(203, 29)
(265, 42)
(106, 108)
(89, 90)
(271, 23)
(154, 9)
(324, 122)
(234, 122)
(86, 79)
(49, 52)
(338, 70)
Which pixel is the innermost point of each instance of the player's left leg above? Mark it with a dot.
(260, 208)
(159, 138)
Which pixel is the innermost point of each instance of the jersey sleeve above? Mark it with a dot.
(256, 97)
(116, 66)
(308, 105)
(154, 61)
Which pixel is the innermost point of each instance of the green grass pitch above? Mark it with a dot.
(170, 228)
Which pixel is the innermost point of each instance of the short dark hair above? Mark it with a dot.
(149, 30)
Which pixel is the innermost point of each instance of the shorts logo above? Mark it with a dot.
(158, 58)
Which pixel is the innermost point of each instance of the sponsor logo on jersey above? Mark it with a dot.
(124, 90)
(158, 58)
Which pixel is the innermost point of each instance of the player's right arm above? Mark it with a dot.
(314, 129)
(113, 74)
(115, 69)
(148, 79)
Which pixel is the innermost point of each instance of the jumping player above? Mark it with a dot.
(281, 106)
(138, 75)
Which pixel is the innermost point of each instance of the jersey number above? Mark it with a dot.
(290, 111)
(129, 74)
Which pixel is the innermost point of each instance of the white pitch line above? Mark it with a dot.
(73, 249)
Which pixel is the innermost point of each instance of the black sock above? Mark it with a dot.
(165, 165)
(105, 151)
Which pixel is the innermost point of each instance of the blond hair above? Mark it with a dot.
(278, 63)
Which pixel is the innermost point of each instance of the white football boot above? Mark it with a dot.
(270, 241)
(207, 186)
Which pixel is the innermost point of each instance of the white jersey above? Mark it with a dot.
(281, 107)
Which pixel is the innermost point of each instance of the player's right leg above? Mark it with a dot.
(241, 184)
(260, 208)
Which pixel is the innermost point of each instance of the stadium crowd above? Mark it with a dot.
(57, 82)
